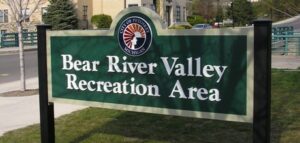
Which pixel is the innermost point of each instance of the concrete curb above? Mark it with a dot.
(31, 83)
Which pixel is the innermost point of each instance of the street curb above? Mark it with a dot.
(14, 50)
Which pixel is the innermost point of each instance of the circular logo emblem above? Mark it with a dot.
(135, 36)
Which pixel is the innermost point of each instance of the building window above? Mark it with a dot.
(44, 11)
(144, 5)
(177, 13)
(85, 9)
(152, 7)
(132, 5)
(184, 13)
(4, 16)
(3, 31)
(25, 13)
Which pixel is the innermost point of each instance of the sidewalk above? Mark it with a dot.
(19, 112)
(285, 62)
(16, 49)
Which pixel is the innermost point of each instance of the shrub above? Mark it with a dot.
(180, 27)
(195, 19)
(101, 20)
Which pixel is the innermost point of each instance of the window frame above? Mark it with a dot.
(133, 5)
(26, 13)
(178, 13)
(4, 17)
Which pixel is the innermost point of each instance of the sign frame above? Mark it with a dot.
(260, 99)
(164, 32)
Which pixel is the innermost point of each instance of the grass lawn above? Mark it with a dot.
(94, 125)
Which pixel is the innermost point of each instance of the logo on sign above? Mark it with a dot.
(135, 36)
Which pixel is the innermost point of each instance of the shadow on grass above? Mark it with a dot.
(149, 127)
(95, 125)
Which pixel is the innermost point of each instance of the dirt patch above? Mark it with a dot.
(20, 93)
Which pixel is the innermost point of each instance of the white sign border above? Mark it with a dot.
(161, 31)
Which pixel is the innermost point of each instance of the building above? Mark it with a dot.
(253, 0)
(171, 11)
(7, 23)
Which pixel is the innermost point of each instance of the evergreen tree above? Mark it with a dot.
(220, 14)
(61, 15)
(241, 12)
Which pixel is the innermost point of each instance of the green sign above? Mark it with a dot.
(138, 65)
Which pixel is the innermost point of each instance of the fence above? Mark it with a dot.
(285, 41)
(11, 39)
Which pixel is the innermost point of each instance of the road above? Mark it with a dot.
(294, 22)
(10, 66)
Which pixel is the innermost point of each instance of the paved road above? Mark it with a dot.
(9, 66)
(295, 22)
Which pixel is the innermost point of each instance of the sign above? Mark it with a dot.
(138, 65)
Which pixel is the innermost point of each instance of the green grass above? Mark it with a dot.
(94, 125)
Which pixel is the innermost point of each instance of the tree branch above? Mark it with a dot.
(12, 8)
(278, 10)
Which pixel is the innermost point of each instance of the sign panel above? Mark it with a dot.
(138, 65)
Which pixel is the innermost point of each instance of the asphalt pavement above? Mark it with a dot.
(294, 22)
(10, 65)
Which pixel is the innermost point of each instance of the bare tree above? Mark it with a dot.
(20, 10)
(204, 8)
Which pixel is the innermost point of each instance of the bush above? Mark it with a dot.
(101, 20)
(180, 27)
(195, 19)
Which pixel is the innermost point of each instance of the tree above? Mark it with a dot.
(241, 12)
(277, 9)
(219, 14)
(102, 20)
(20, 10)
(61, 15)
(204, 8)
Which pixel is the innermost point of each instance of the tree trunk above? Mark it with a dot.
(21, 56)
